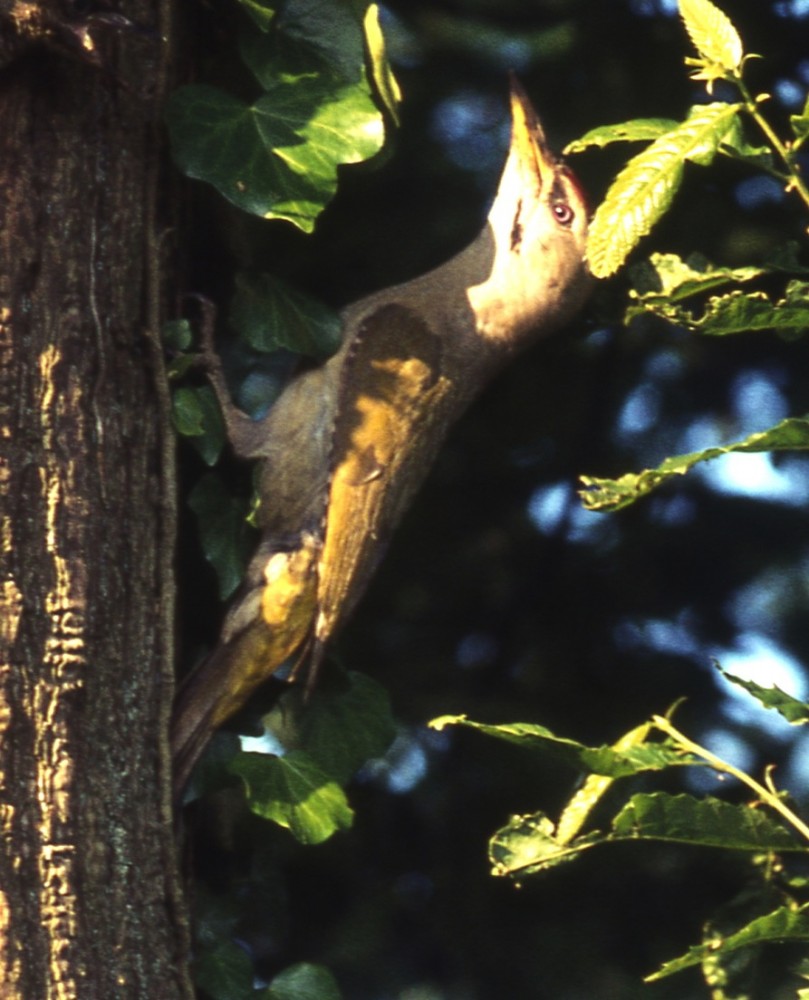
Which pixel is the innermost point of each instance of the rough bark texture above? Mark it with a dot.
(88, 901)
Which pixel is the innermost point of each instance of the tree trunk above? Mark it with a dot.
(89, 905)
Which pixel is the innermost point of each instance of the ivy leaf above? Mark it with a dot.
(304, 981)
(278, 157)
(784, 924)
(225, 973)
(615, 494)
(225, 534)
(270, 314)
(196, 414)
(340, 727)
(645, 188)
(294, 792)
(713, 35)
(636, 130)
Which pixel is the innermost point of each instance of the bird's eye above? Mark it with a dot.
(562, 212)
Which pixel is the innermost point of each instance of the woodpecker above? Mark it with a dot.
(344, 449)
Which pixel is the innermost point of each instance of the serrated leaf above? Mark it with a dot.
(794, 711)
(636, 130)
(385, 82)
(736, 312)
(340, 729)
(783, 924)
(294, 792)
(270, 314)
(712, 34)
(645, 188)
(224, 533)
(197, 415)
(706, 822)
(225, 973)
(614, 494)
(666, 278)
(303, 981)
(276, 158)
(604, 760)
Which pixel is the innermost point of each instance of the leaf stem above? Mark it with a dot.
(770, 797)
(751, 105)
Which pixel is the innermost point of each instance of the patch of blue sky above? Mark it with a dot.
(555, 506)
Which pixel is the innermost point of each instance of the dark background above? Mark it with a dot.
(500, 596)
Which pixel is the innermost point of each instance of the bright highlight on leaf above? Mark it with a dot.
(643, 191)
(713, 35)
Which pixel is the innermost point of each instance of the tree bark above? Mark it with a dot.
(89, 901)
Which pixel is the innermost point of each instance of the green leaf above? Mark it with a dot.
(794, 711)
(276, 158)
(528, 845)
(615, 494)
(712, 34)
(225, 535)
(176, 334)
(381, 72)
(261, 11)
(197, 415)
(645, 188)
(271, 314)
(667, 278)
(303, 981)
(636, 130)
(784, 924)
(226, 973)
(706, 822)
(800, 125)
(735, 312)
(609, 761)
(294, 792)
(340, 728)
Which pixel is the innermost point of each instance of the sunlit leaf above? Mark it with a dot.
(712, 34)
(528, 845)
(639, 129)
(666, 278)
(225, 535)
(645, 188)
(261, 11)
(735, 312)
(794, 711)
(294, 792)
(385, 82)
(707, 822)
(614, 494)
(783, 924)
(593, 788)
(271, 314)
(278, 157)
(604, 760)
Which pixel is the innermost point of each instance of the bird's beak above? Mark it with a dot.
(529, 150)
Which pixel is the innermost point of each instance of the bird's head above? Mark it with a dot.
(537, 230)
